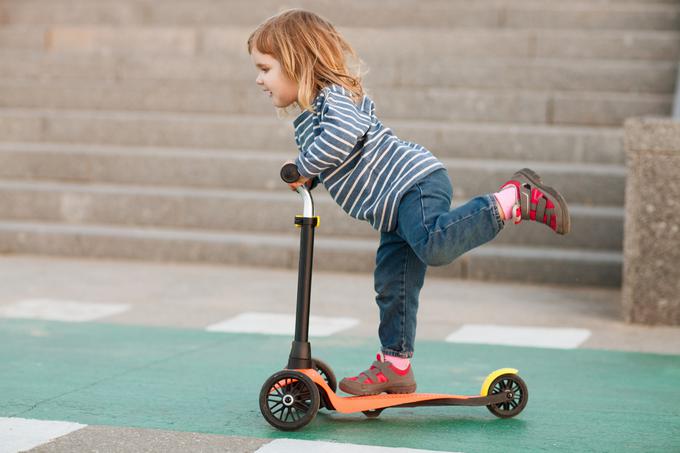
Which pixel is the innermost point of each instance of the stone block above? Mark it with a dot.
(462, 105)
(651, 283)
(167, 130)
(372, 43)
(582, 184)
(519, 142)
(19, 127)
(555, 266)
(108, 40)
(70, 12)
(21, 39)
(606, 109)
(593, 15)
(528, 74)
(608, 44)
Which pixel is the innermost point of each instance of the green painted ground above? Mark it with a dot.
(181, 380)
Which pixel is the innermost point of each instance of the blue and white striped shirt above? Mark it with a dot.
(362, 164)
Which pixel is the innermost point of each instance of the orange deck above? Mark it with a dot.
(349, 404)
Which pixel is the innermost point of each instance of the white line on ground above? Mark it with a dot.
(60, 310)
(308, 446)
(20, 434)
(281, 324)
(539, 337)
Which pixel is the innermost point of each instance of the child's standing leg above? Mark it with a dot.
(429, 232)
(399, 275)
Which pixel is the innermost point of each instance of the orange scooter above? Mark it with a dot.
(291, 398)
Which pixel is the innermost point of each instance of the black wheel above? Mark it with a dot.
(326, 373)
(289, 400)
(516, 390)
(374, 413)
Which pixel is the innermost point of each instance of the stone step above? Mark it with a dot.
(417, 46)
(489, 262)
(599, 228)
(588, 184)
(205, 74)
(511, 14)
(445, 139)
(442, 104)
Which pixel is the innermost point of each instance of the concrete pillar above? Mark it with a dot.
(651, 271)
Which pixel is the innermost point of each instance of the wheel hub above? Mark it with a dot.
(288, 400)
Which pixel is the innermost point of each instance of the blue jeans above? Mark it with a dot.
(428, 233)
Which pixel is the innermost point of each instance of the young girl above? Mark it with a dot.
(399, 187)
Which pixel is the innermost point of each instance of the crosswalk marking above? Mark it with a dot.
(308, 446)
(539, 337)
(20, 434)
(281, 324)
(60, 310)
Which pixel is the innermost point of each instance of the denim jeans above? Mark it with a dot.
(428, 233)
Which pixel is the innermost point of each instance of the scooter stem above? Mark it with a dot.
(301, 350)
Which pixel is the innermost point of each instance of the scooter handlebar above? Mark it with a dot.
(289, 172)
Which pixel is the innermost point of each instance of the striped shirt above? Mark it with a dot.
(362, 164)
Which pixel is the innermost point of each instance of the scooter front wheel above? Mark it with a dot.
(518, 395)
(289, 400)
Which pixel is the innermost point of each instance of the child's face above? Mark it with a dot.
(273, 81)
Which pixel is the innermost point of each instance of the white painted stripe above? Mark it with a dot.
(539, 337)
(60, 310)
(281, 324)
(313, 446)
(20, 434)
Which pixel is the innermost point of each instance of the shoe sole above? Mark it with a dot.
(397, 389)
(564, 227)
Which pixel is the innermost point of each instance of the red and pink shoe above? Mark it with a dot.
(381, 377)
(538, 202)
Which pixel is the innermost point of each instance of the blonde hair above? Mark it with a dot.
(311, 52)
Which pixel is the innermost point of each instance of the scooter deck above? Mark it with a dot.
(349, 404)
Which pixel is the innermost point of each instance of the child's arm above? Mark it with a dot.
(342, 124)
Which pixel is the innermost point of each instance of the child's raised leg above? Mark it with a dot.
(429, 232)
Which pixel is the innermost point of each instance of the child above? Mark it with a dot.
(399, 187)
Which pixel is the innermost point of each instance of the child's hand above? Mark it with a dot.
(302, 180)
(294, 185)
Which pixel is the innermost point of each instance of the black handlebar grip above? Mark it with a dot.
(289, 173)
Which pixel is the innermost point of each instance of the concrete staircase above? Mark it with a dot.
(133, 129)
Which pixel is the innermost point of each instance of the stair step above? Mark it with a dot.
(597, 184)
(441, 104)
(196, 73)
(518, 264)
(417, 45)
(598, 228)
(516, 14)
(84, 130)
(132, 129)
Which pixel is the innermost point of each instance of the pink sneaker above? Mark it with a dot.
(381, 377)
(538, 202)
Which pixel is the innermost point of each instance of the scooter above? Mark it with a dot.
(291, 398)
